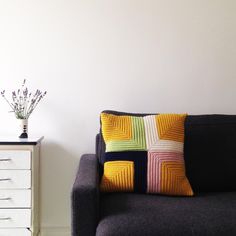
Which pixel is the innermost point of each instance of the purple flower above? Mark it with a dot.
(25, 92)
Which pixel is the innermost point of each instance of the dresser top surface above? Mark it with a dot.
(20, 141)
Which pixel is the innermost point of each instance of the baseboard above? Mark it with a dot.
(55, 231)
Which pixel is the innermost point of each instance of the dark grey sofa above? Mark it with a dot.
(210, 157)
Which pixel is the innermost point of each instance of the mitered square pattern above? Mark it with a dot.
(159, 139)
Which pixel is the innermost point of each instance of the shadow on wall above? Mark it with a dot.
(57, 170)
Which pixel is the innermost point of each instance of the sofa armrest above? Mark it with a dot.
(85, 197)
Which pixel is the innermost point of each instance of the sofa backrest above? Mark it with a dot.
(209, 151)
(100, 147)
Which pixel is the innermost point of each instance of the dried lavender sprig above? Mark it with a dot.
(12, 105)
(3, 95)
(13, 96)
(30, 107)
(41, 95)
(25, 93)
(37, 102)
(20, 104)
(33, 100)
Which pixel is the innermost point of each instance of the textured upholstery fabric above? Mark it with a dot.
(210, 152)
(208, 214)
(85, 197)
(101, 143)
(100, 148)
(159, 139)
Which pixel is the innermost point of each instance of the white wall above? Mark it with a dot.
(130, 55)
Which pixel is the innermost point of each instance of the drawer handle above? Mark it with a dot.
(5, 179)
(5, 218)
(5, 198)
(5, 159)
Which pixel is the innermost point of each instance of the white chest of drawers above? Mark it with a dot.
(19, 187)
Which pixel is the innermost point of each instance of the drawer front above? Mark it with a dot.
(14, 218)
(15, 159)
(15, 199)
(15, 232)
(15, 179)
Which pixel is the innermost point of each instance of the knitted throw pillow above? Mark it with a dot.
(144, 154)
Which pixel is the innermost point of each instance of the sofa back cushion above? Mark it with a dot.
(210, 152)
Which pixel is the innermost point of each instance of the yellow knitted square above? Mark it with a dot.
(173, 179)
(118, 176)
(116, 127)
(171, 126)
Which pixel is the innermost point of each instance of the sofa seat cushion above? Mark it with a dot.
(208, 214)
